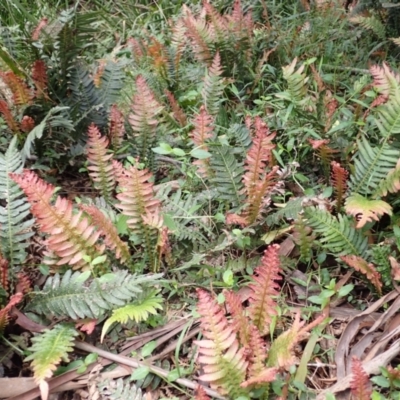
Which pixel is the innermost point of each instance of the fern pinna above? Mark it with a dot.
(234, 355)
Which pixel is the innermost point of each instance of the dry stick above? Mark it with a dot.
(132, 362)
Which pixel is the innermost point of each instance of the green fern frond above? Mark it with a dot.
(289, 211)
(372, 165)
(49, 349)
(372, 24)
(71, 296)
(138, 312)
(120, 389)
(227, 175)
(303, 238)
(337, 234)
(213, 88)
(390, 184)
(15, 227)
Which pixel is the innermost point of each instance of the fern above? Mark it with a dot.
(263, 290)
(289, 211)
(223, 362)
(390, 184)
(70, 296)
(227, 175)
(361, 388)
(8, 117)
(339, 178)
(338, 236)
(22, 95)
(119, 389)
(70, 236)
(116, 128)
(366, 210)
(138, 312)
(213, 86)
(40, 78)
(371, 166)
(368, 269)
(372, 24)
(100, 166)
(303, 238)
(53, 119)
(15, 227)
(145, 110)
(49, 349)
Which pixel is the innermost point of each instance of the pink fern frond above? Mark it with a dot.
(339, 178)
(264, 289)
(41, 25)
(177, 111)
(8, 117)
(100, 166)
(258, 352)
(39, 77)
(223, 362)
(201, 394)
(360, 386)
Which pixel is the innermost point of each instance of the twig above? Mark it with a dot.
(132, 362)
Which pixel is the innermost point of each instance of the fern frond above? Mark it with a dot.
(8, 117)
(338, 234)
(177, 111)
(27, 124)
(145, 110)
(38, 29)
(223, 362)
(368, 269)
(366, 210)
(264, 289)
(289, 211)
(372, 165)
(385, 80)
(118, 389)
(372, 24)
(203, 130)
(360, 386)
(100, 166)
(201, 394)
(303, 238)
(22, 95)
(240, 323)
(70, 236)
(15, 224)
(40, 79)
(116, 127)
(390, 184)
(14, 300)
(137, 312)
(227, 175)
(137, 196)
(111, 238)
(199, 35)
(258, 353)
(70, 296)
(49, 349)
(339, 178)
(213, 88)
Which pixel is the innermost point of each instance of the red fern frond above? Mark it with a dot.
(265, 376)
(143, 118)
(116, 127)
(223, 362)
(157, 53)
(258, 353)
(36, 33)
(177, 111)
(234, 219)
(4, 281)
(70, 235)
(339, 178)
(137, 197)
(201, 394)
(258, 156)
(99, 73)
(23, 283)
(8, 117)
(136, 48)
(323, 152)
(14, 300)
(368, 269)
(111, 238)
(164, 246)
(22, 95)
(240, 324)
(262, 304)
(360, 386)
(39, 77)
(199, 34)
(203, 130)
(100, 166)
(27, 124)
